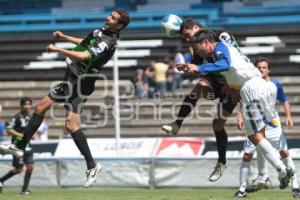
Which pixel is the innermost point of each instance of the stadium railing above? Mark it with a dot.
(42, 22)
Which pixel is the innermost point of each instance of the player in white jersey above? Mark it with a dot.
(274, 134)
(242, 75)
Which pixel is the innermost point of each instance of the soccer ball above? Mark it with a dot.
(171, 25)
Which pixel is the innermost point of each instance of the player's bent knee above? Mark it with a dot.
(30, 167)
(284, 153)
(71, 129)
(247, 157)
(18, 170)
(218, 124)
(40, 109)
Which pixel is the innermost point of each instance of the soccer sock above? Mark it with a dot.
(33, 124)
(290, 163)
(81, 143)
(262, 165)
(9, 174)
(269, 153)
(244, 174)
(26, 180)
(221, 139)
(186, 107)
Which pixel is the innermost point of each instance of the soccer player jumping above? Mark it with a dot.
(243, 76)
(84, 62)
(210, 85)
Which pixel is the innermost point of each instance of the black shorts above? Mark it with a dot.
(27, 159)
(73, 91)
(217, 83)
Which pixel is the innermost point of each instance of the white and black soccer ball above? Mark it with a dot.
(171, 25)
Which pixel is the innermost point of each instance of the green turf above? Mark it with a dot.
(139, 194)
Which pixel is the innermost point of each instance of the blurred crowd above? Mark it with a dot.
(161, 77)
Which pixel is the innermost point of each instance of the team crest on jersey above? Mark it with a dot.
(102, 46)
(97, 33)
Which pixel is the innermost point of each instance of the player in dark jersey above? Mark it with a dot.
(84, 63)
(15, 128)
(210, 86)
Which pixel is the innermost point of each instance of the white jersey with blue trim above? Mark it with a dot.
(277, 94)
(240, 68)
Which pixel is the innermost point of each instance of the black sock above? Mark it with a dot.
(81, 143)
(26, 180)
(33, 124)
(9, 174)
(221, 139)
(187, 106)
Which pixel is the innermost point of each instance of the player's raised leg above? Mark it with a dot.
(93, 169)
(201, 89)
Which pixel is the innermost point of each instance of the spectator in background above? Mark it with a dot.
(149, 76)
(160, 73)
(179, 59)
(2, 128)
(171, 77)
(140, 83)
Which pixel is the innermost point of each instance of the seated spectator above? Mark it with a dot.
(179, 59)
(171, 77)
(140, 83)
(160, 74)
(2, 128)
(149, 75)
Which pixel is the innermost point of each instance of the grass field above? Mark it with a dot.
(139, 194)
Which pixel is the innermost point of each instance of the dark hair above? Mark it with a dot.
(23, 100)
(202, 35)
(189, 23)
(262, 59)
(124, 17)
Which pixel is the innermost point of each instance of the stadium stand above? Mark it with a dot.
(27, 69)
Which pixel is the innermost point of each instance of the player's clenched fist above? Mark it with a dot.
(58, 35)
(51, 48)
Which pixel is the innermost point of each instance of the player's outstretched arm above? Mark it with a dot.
(82, 56)
(61, 36)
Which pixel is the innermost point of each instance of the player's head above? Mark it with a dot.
(26, 104)
(263, 65)
(189, 27)
(117, 20)
(203, 42)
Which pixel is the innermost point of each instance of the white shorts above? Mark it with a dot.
(274, 135)
(256, 110)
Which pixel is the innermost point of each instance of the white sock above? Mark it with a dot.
(290, 163)
(244, 174)
(269, 153)
(262, 165)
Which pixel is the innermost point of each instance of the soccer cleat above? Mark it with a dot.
(26, 192)
(296, 192)
(260, 183)
(284, 181)
(1, 187)
(240, 194)
(171, 129)
(218, 172)
(12, 149)
(92, 175)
